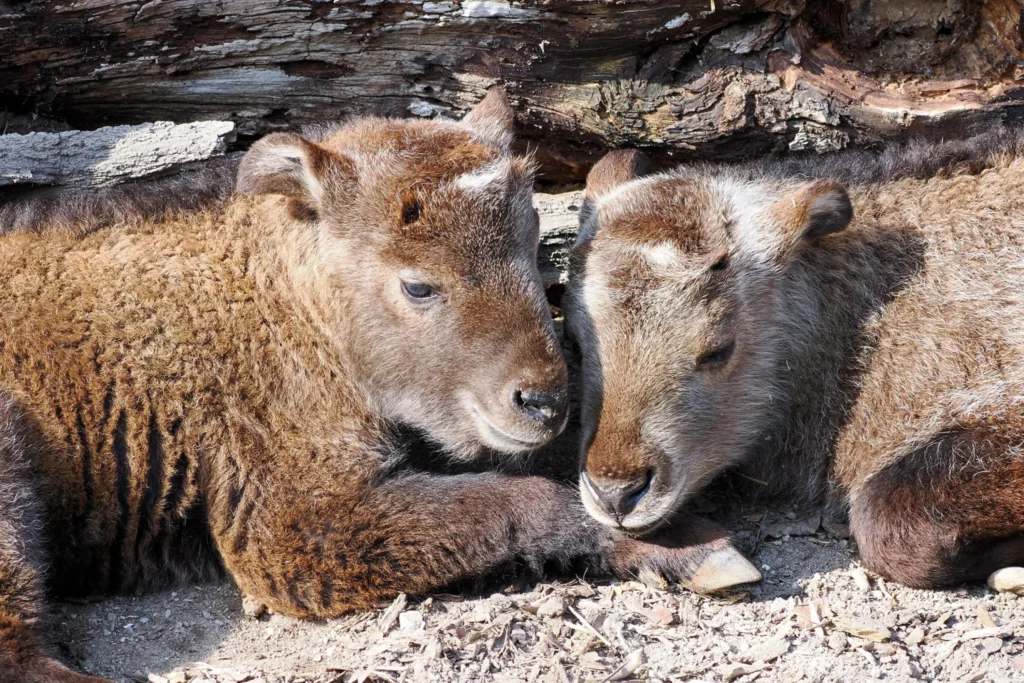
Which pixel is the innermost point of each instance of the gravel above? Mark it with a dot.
(817, 616)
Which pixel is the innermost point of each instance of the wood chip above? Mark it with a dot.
(661, 616)
(390, 616)
(810, 615)
(915, 637)
(633, 661)
(863, 629)
(986, 633)
(552, 607)
(733, 671)
(587, 626)
(985, 618)
(860, 578)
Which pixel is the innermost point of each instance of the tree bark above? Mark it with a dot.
(109, 155)
(693, 78)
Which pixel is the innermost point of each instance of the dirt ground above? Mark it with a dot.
(817, 616)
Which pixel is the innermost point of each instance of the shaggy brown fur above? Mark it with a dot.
(728, 316)
(226, 389)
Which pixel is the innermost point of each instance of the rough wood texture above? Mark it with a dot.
(709, 78)
(109, 155)
(559, 222)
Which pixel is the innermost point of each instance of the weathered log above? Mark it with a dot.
(109, 155)
(559, 222)
(707, 78)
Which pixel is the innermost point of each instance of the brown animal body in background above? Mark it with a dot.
(227, 388)
(865, 345)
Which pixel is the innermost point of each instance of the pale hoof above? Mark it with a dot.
(723, 569)
(1007, 580)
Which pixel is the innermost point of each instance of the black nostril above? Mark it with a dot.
(539, 405)
(619, 498)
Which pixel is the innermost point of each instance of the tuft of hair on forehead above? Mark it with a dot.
(482, 179)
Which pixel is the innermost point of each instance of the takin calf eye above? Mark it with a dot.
(417, 291)
(716, 358)
(410, 212)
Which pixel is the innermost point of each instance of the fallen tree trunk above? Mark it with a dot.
(707, 78)
(109, 155)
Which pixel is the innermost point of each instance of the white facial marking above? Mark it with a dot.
(482, 178)
(661, 254)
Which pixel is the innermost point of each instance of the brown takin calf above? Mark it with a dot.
(228, 388)
(849, 327)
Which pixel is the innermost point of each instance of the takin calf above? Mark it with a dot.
(861, 343)
(228, 388)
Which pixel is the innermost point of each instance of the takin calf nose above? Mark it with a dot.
(618, 497)
(543, 406)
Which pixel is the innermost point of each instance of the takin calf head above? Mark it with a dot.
(673, 300)
(420, 253)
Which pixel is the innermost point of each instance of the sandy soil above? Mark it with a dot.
(816, 617)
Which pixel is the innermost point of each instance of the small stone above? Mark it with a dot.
(1008, 580)
(835, 528)
(251, 607)
(991, 645)
(838, 641)
(318, 657)
(177, 677)
(410, 621)
(552, 607)
(1018, 663)
(765, 652)
(884, 649)
(915, 637)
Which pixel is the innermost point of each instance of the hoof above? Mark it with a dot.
(1007, 580)
(722, 569)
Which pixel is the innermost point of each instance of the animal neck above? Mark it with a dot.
(298, 307)
(825, 305)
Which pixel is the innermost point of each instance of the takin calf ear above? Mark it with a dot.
(493, 118)
(819, 208)
(290, 165)
(614, 169)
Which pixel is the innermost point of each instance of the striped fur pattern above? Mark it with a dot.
(225, 389)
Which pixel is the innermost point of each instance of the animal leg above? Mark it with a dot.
(319, 556)
(22, 604)
(949, 512)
